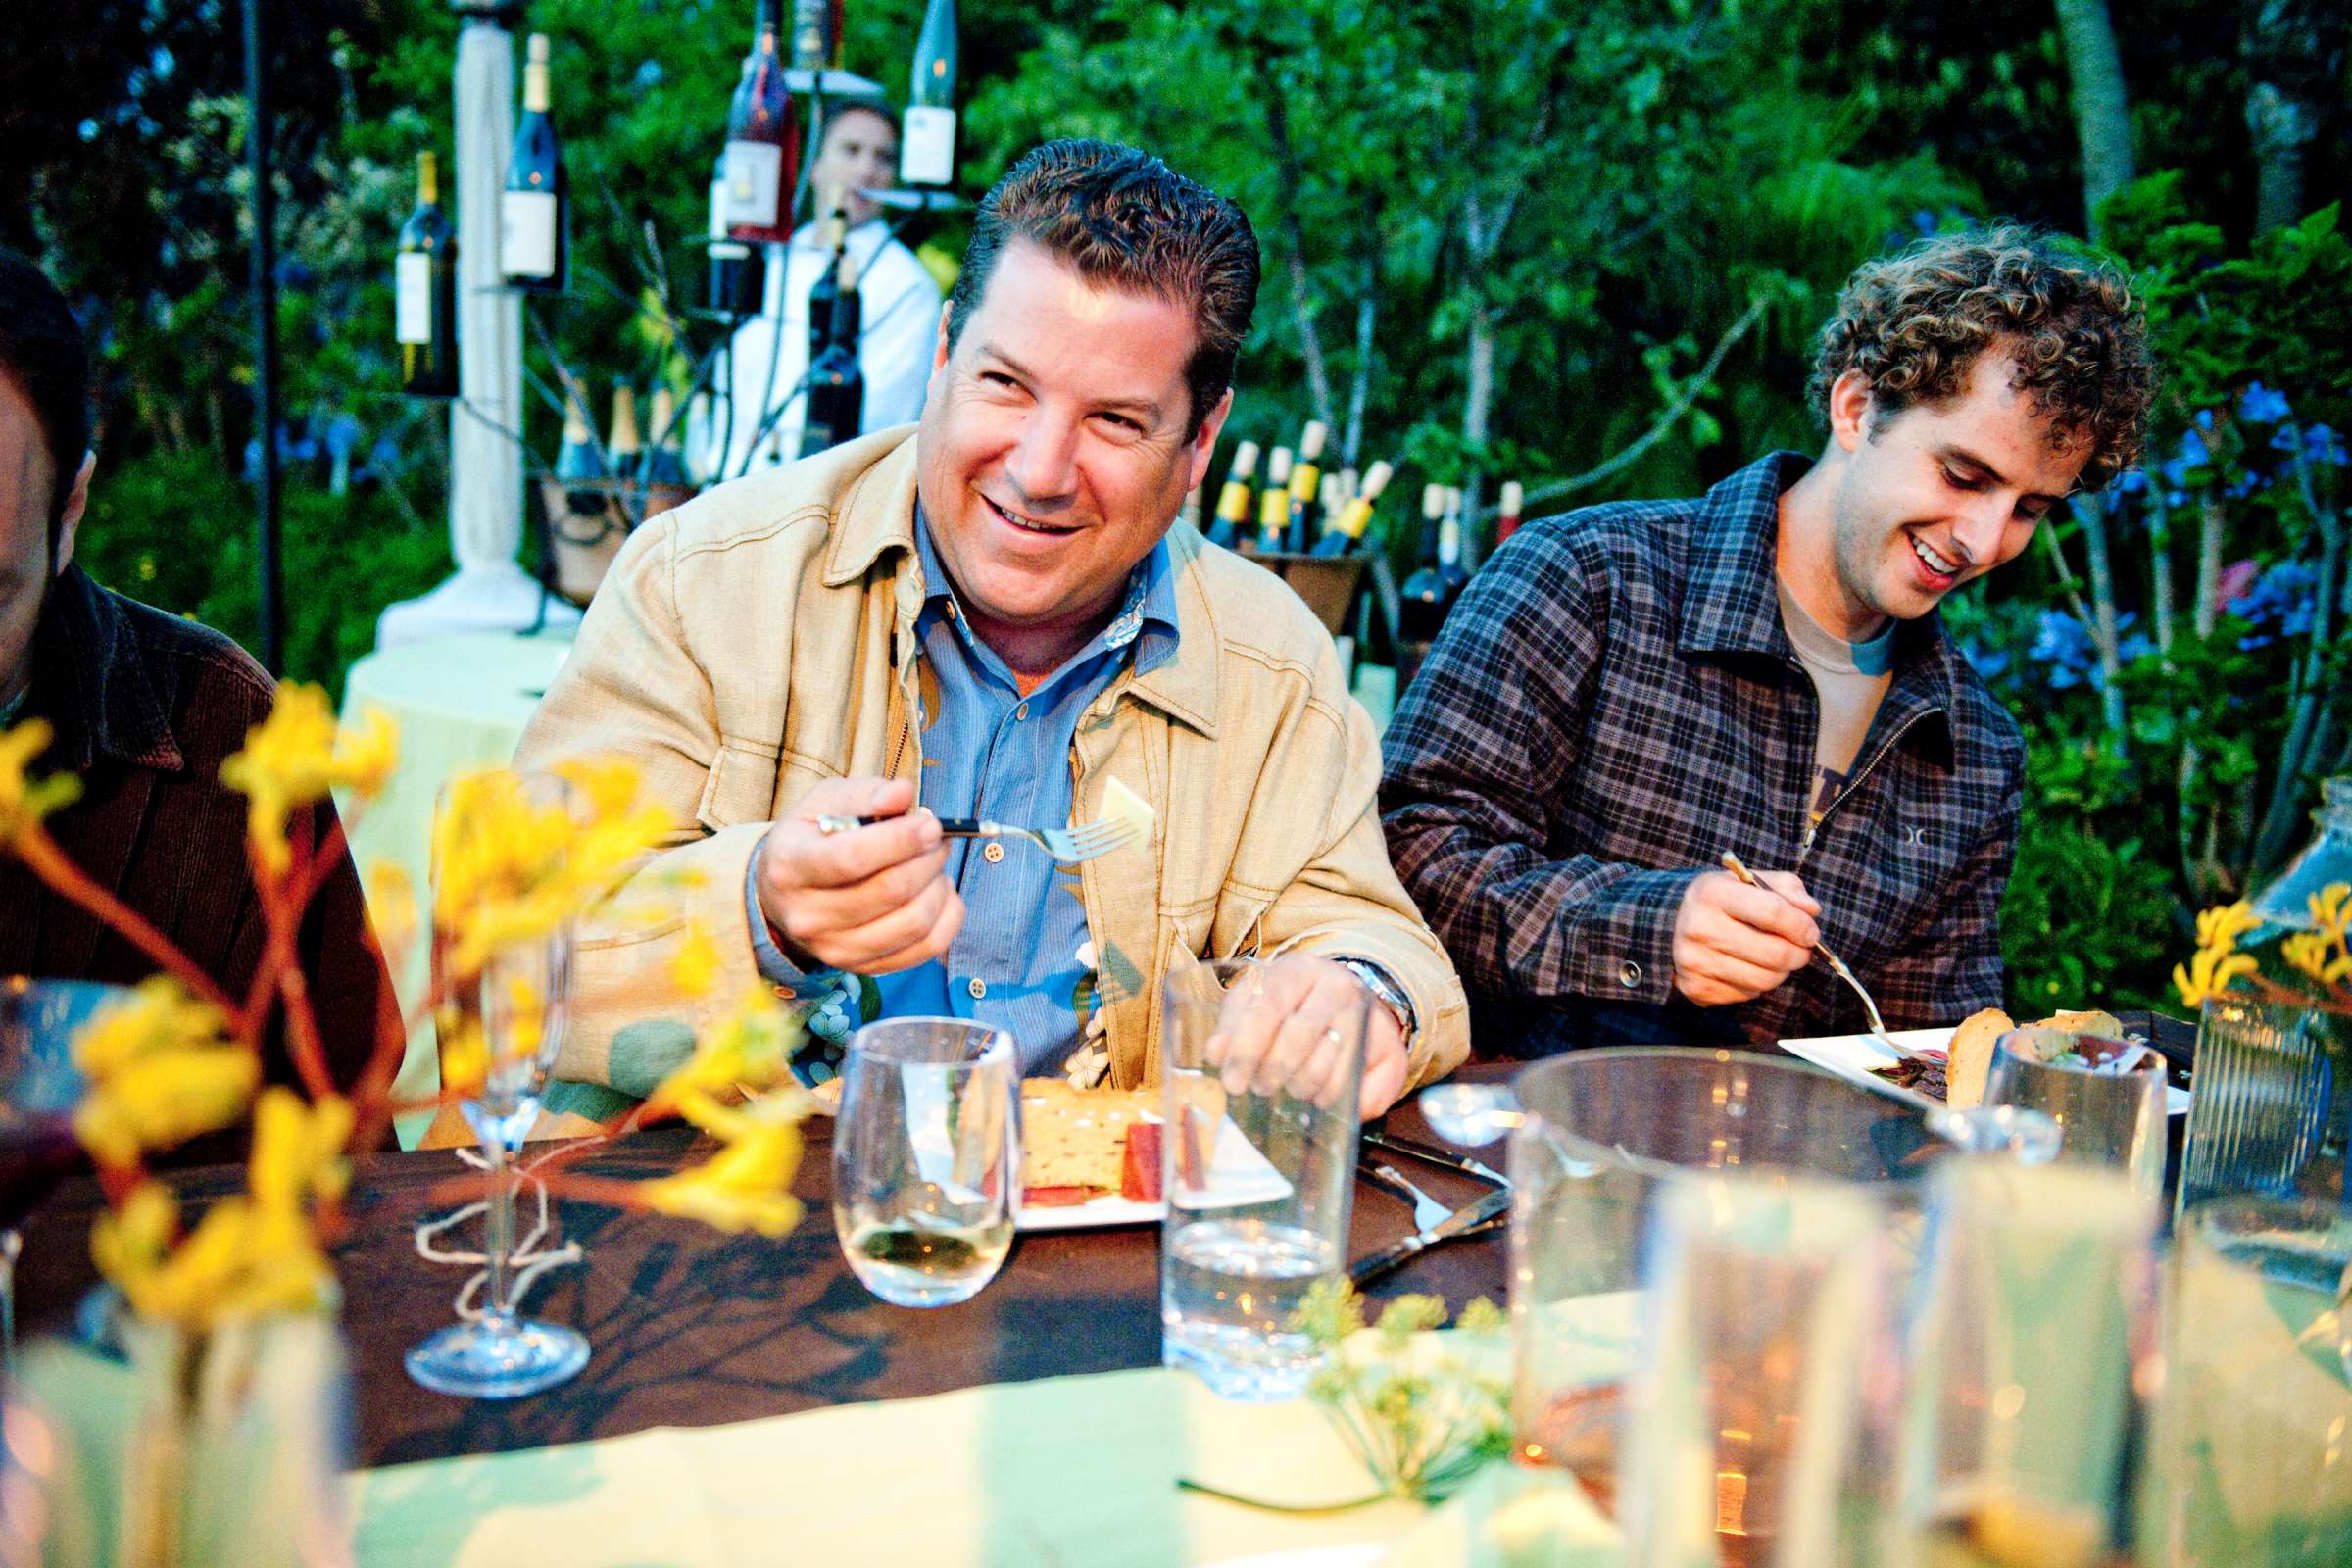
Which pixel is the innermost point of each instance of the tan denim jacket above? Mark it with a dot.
(761, 638)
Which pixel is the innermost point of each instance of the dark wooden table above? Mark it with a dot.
(691, 1328)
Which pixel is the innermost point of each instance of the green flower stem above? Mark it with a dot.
(1187, 1483)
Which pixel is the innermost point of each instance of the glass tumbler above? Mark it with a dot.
(926, 1158)
(1258, 1187)
(1600, 1133)
(2104, 1118)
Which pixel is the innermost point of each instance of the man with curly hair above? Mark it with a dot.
(1630, 690)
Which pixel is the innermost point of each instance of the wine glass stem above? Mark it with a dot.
(498, 1230)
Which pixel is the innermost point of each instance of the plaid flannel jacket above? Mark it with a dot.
(1612, 705)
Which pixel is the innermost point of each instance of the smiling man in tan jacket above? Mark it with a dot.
(991, 615)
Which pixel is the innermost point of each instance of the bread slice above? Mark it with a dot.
(2106, 1025)
(1073, 1136)
(1969, 1056)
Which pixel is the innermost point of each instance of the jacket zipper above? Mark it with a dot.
(1813, 827)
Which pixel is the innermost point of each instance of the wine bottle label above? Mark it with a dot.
(526, 233)
(927, 147)
(755, 183)
(413, 298)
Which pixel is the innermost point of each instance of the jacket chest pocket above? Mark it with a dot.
(743, 786)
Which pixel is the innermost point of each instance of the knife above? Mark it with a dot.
(1397, 1253)
(1431, 1154)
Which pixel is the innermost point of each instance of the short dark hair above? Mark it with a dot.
(41, 348)
(1914, 322)
(860, 106)
(1125, 218)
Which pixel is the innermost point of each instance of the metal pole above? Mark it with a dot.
(265, 342)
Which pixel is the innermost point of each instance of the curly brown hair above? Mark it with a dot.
(1914, 322)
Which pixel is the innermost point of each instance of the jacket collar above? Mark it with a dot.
(92, 681)
(1731, 603)
(875, 515)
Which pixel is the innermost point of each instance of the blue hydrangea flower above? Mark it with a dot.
(2262, 405)
(2062, 646)
(2282, 604)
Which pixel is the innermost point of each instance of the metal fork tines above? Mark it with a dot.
(1428, 1212)
(1067, 845)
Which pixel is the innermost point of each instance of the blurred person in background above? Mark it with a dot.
(899, 305)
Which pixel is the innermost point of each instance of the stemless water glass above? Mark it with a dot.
(926, 1158)
(1602, 1131)
(2265, 1081)
(2104, 1118)
(1748, 1440)
(2031, 1353)
(1258, 1187)
(516, 1008)
(2253, 1452)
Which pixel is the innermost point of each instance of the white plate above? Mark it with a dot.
(1360, 1554)
(1244, 1176)
(1852, 1056)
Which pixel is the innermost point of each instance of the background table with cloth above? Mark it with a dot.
(461, 704)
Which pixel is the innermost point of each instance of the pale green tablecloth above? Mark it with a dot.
(461, 703)
(1077, 1471)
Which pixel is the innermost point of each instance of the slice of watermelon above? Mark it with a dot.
(1139, 1167)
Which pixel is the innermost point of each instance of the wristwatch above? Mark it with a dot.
(1385, 992)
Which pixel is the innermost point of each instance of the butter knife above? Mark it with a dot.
(1397, 1253)
(1432, 1154)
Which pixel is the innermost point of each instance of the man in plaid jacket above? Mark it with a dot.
(1627, 691)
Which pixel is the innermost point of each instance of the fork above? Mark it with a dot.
(1069, 846)
(1870, 1007)
(1428, 1212)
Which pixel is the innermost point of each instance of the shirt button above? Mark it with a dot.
(993, 853)
(978, 988)
(1021, 712)
(1629, 974)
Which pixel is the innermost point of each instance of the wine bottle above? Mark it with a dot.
(812, 34)
(580, 463)
(1349, 524)
(927, 141)
(764, 141)
(664, 459)
(1428, 593)
(424, 292)
(836, 384)
(534, 217)
(738, 276)
(1274, 504)
(1233, 502)
(827, 288)
(1334, 497)
(1506, 513)
(625, 448)
(1306, 488)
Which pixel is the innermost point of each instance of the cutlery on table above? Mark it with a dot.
(1428, 1212)
(1069, 845)
(1870, 1007)
(1431, 1154)
(1490, 1209)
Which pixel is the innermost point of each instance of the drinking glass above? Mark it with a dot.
(1766, 1325)
(2104, 1118)
(2253, 1450)
(516, 1007)
(1600, 1133)
(39, 1085)
(2031, 1353)
(926, 1158)
(2260, 1108)
(1258, 1188)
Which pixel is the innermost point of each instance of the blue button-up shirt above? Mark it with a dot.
(1023, 959)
